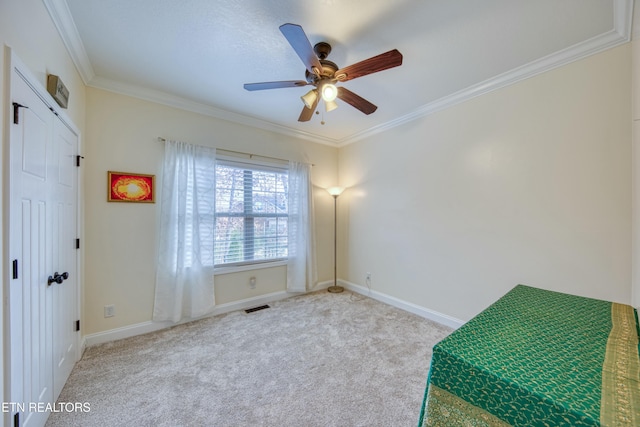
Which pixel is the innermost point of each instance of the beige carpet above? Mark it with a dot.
(319, 359)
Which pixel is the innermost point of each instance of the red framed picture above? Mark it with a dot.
(130, 187)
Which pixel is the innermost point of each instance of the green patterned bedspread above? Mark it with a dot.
(538, 358)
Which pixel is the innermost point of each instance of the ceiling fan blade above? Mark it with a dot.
(356, 101)
(274, 85)
(300, 43)
(307, 113)
(384, 61)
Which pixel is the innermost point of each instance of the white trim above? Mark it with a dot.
(557, 59)
(623, 18)
(31, 81)
(635, 161)
(635, 23)
(635, 210)
(248, 267)
(62, 19)
(5, 137)
(159, 97)
(322, 285)
(635, 177)
(443, 319)
(621, 33)
(149, 326)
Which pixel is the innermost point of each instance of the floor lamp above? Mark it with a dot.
(335, 192)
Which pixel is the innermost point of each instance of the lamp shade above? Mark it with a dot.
(335, 191)
(310, 98)
(330, 105)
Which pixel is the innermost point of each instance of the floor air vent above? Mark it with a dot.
(251, 310)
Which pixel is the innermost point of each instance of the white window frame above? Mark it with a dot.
(231, 267)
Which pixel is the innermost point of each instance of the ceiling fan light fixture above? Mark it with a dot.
(329, 92)
(323, 74)
(310, 98)
(330, 105)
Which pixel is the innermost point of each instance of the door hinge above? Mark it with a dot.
(78, 157)
(77, 243)
(77, 325)
(16, 419)
(15, 269)
(16, 112)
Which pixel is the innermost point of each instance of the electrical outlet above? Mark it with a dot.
(368, 277)
(109, 310)
(252, 282)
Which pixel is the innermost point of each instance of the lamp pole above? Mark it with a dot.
(335, 192)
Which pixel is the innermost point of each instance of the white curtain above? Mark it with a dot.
(301, 264)
(184, 272)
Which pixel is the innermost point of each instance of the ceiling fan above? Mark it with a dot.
(324, 74)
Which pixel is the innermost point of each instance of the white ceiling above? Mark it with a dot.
(197, 54)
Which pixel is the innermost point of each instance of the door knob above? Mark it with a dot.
(57, 278)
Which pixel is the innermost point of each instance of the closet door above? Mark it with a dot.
(63, 195)
(43, 286)
(31, 298)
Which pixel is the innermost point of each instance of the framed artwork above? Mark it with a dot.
(130, 187)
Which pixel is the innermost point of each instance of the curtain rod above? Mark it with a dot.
(251, 156)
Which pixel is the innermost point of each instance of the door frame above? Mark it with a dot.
(13, 63)
(635, 165)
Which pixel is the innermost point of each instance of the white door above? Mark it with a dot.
(30, 307)
(62, 190)
(43, 226)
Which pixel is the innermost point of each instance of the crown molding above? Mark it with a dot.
(62, 19)
(163, 98)
(621, 33)
(635, 23)
(623, 18)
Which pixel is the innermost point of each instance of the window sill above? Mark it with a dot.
(248, 267)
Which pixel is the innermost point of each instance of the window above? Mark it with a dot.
(251, 213)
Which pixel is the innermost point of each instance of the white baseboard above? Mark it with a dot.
(322, 285)
(150, 326)
(146, 327)
(443, 319)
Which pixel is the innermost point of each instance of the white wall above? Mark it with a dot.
(636, 156)
(121, 135)
(26, 28)
(529, 184)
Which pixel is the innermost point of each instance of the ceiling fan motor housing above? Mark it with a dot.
(322, 49)
(328, 70)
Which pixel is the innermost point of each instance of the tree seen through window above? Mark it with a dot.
(251, 214)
